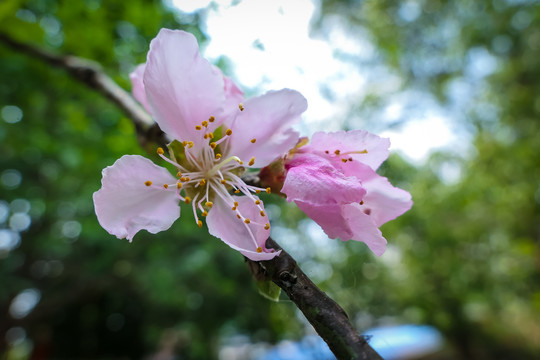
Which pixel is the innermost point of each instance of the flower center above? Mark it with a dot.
(205, 175)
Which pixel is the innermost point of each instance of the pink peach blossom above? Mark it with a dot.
(333, 180)
(216, 138)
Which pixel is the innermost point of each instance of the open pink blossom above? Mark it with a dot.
(333, 180)
(217, 135)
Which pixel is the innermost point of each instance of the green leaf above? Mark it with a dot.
(269, 290)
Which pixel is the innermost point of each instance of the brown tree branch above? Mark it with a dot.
(327, 317)
(92, 75)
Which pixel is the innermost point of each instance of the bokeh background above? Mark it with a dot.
(454, 84)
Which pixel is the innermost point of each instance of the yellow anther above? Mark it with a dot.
(205, 213)
(233, 208)
(218, 156)
(187, 178)
(223, 181)
(344, 160)
(184, 143)
(209, 204)
(160, 151)
(350, 159)
(257, 191)
(257, 202)
(253, 140)
(178, 185)
(213, 145)
(211, 119)
(362, 202)
(190, 144)
(237, 191)
(165, 186)
(241, 107)
(326, 152)
(202, 182)
(238, 216)
(198, 127)
(259, 249)
(228, 132)
(236, 203)
(267, 226)
(205, 136)
(262, 213)
(240, 162)
(179, 174)
(247, 221)
(199, 223)
(363, 151)
(268, 190)
(148, 183)
(183, 179)
(210, 135)
(205, 123)
(187, 199)
(251, 161)
(337, 152)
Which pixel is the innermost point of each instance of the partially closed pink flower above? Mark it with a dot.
(216, 138)
(333, 180)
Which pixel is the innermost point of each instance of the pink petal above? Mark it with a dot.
(313, 179)
(268, 119)
(350, 141)
(124, 204)
(347, 222)
(183, 89)
(137, 84)
(384, 202)
(223, 223)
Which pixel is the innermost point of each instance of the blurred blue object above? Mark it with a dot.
(391, 342)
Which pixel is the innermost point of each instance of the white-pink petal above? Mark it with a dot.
(351, 142)
(347, 222)
(183, 88)
(268, 120)
(223, 223)
(137, 85)
(314, 179)
(125, 205)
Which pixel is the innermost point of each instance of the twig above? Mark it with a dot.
(91, 74)
(327, 317)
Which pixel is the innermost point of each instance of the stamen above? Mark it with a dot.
(247, 221)
(187, 200)
(241, 107)
(209, 204)
(213, 145)
(337, 152)
(199, 223)
(236, 203)
(218, 156)
(211, 119)
(259, 249)
(160, 151)
(165, 186)
(257, 202)
(205, 123)
(228, 132)
(198, 127)
(204, 213)
(223, 181)
(148, 183)
(362, 202)
(210, 135)
(268, 190)
(237, 191)
(251, 161)
(257, 191)
(262, 213)
(190, 144)
(326, 152)
(344, 160)
(253, 140)
(179, 174)
(267, 226)
(178, 185)
(184, 143)
(202, 182)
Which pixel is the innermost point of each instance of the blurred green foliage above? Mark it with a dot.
(465, 259)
